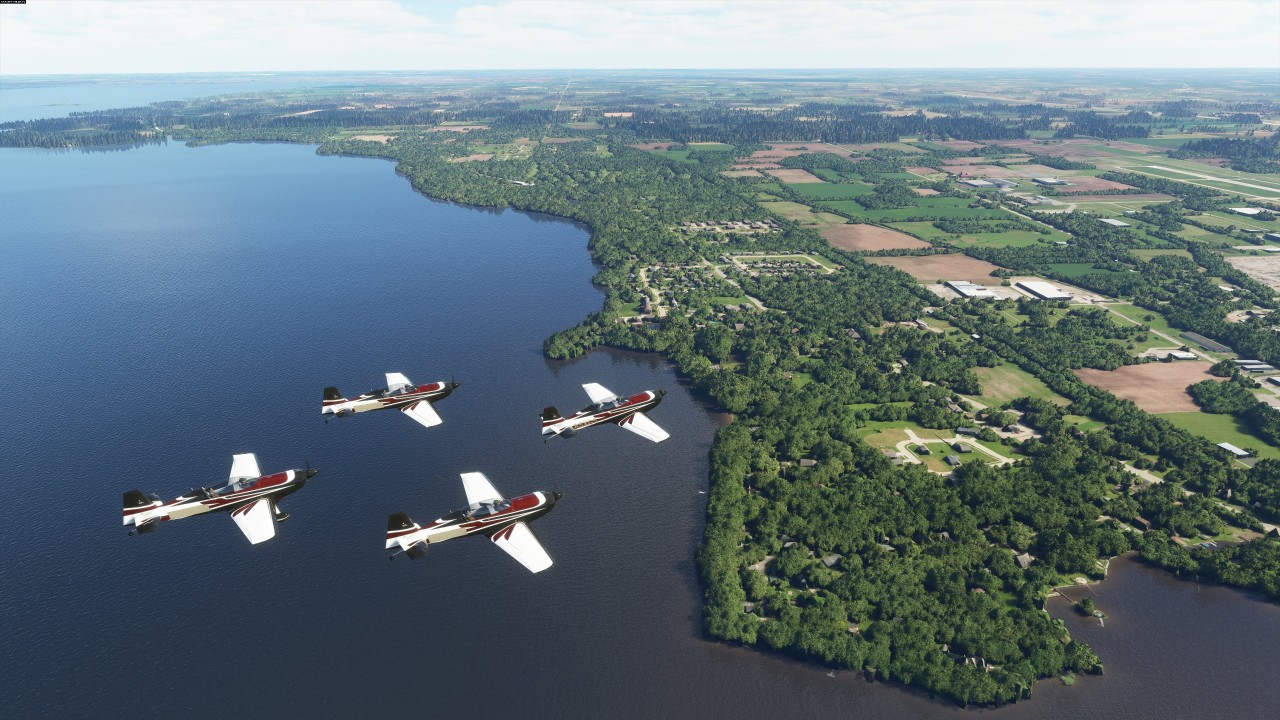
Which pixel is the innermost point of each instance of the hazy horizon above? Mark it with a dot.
(73, 37)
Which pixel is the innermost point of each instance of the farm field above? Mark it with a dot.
(792, 175)
(1006, 382)
(1156, 387)
(1265, 270)
(859, 237)
(930, 268)
(831, 190)
(803, 214)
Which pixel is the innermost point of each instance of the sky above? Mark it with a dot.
(169, 36)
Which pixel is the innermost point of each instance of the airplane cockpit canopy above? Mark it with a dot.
(485, 509)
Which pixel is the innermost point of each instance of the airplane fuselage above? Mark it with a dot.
(382, 400)
(224, 498)
(489, 519)
(614, 411)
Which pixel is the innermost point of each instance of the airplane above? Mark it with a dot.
(250, 497)
(505, 522)
(606, 407)
(412, 400)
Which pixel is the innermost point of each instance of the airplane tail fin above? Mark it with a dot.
(401, 527)
(550, 413)
(332, 395)
(140, 510)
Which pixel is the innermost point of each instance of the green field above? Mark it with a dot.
(1006, 382)
(831, 191)
(1148, 253)
(1139, 315)
(1222, 428)
(1075, 270)
(930, 207)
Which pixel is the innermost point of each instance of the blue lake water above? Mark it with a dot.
(166, 307)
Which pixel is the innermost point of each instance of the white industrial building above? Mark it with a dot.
(969, 290)
(977, 183)
(1246, 211)
(1048, 181)
(1113, 221)
(1043, 290)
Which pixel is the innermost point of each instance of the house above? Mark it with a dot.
(961, 448)
(1272, 236)
(1024, 560)
(952, 460)
(924, 449)
(1181, 355)
(1003, 183)
(1011, 428)
(810, 462)
(971, 432)
(832, 559)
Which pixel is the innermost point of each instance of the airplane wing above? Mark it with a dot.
(640, 424)
(244, 467)
(598, 393)
(397, 381)
(422, 412)
(257, 520)
(520, 543)
(478, 488)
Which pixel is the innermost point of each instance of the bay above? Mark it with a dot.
(166, 307)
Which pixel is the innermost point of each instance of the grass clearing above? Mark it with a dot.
(1006, 382)
(1222, 428)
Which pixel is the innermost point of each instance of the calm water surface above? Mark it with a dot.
(164, 308)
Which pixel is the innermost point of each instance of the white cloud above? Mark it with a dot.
(72, 36)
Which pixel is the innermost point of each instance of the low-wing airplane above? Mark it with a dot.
(250, 497)
(505, 522)
(412, 400)
(605, 407)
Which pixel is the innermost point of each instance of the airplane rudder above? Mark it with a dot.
(332, 393)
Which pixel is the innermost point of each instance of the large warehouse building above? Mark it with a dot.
(1043, 290)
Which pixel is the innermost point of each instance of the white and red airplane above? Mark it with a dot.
(505, 522)
(250, 497)
(412, 400)
(606, 407)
